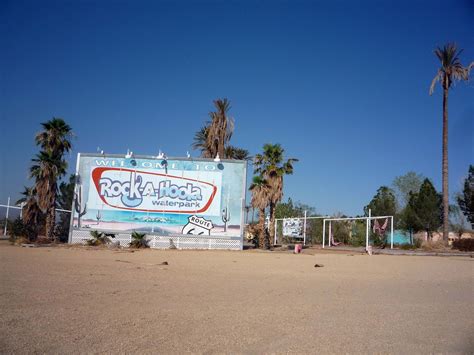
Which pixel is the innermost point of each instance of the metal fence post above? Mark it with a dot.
(367, 231)
(391, 234)
(324, 232)
(330, 238)
(304, 228)
(6, 217)
(275, 233)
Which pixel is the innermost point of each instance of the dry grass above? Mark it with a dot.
(20, 240)
(439, 245)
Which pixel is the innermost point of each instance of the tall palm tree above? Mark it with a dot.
(55, 136)
(206, 145)
(272, 167)
(220, 128)
(451, 70)
(47, 168)
(260, 200)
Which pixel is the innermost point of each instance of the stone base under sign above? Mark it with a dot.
(185, 241)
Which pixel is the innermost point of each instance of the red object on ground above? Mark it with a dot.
(298, 248)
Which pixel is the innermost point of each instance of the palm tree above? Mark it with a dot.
(260, 200)
(139, 240)
(27, 193)
(272, 167)
(236, 153)
(220, 129)
(55, 136)
(207, 145)
(200, 141)
(47, 168)
(450, 71)
(31, 213)
(98, 238)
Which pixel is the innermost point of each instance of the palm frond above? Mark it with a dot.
(436, 79)
(451, 69)
(139, 240)
(236, 153)
(260, 192)
(272, 167)
(220, 129)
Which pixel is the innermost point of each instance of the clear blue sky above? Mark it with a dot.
(343, 87)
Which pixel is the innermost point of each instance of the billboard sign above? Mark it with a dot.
(162, 196)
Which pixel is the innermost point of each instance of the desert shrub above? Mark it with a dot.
(42, 239)
(139, 240)
(61, 231)
(431, 245)
(251, 233)
(99, 238)
(416, 245)
(18, 229)
(358, 240)
(20, 240)
(417, 242)
(466, 244)
(407, 246)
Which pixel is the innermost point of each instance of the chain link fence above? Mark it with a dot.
(12, 225)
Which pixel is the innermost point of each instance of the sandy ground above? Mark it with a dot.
(75, 300)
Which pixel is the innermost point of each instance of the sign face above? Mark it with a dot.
(292, 227)
(152, 192)
(172, 196)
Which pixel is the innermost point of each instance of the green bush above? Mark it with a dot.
(358, 240)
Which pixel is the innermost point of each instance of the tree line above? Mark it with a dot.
(418, 207)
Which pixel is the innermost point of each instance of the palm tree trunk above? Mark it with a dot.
(221, 147)
(262, 236)
(445, 166)
(50, 223)
(271, 222)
